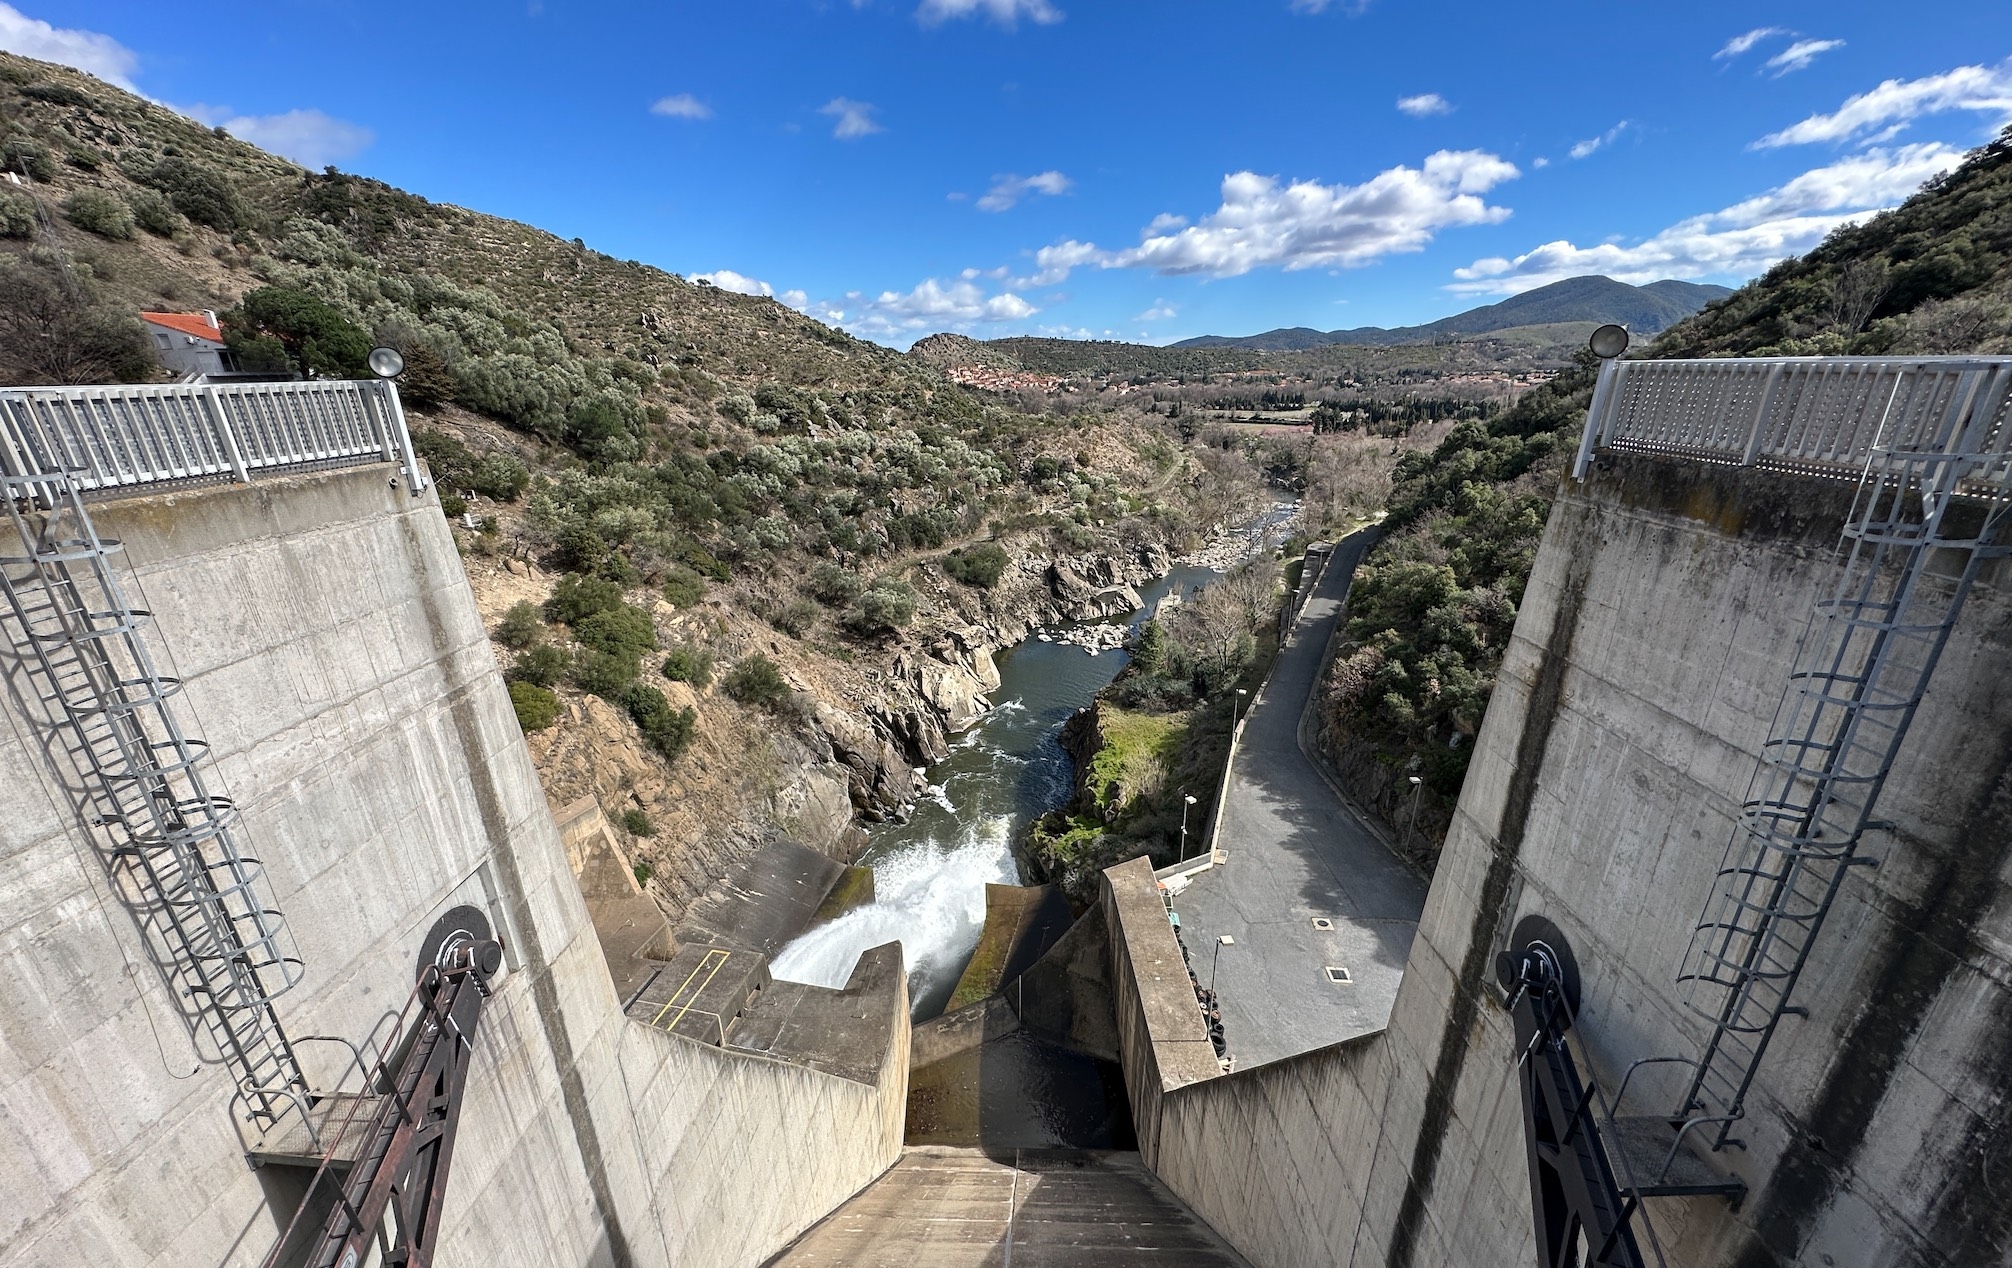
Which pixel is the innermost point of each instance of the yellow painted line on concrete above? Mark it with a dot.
(717, 965)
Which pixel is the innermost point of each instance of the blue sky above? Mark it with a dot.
(1131, 171)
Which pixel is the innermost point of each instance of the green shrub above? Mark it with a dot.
(757, 681)
(153, 212)
(203, 195)
(620, 630)
(980, 566)
(636, 823)
(834, 586)
(99, 211)
(17, 215)
(499, 476)
(606, 674)
(520, 626)
(23, 153)
(576, 598)
(643, 873)
(683, 588)
(795, 618)
(536, 707)
(541, 666)
(453, 505)
(689, 664)
(667, 730)
(455, 466)
(883, 606)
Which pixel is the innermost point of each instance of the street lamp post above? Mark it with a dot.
(1186, 801)
(1236, 713)
(1411, 824)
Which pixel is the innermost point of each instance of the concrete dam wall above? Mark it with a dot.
(1651, 650)
(332, 657)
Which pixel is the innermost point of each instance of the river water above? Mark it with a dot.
(930, 873)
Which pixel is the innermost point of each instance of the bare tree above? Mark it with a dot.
(1860, 286)
(54, 329)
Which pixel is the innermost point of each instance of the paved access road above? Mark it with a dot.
(1297, 853)
(953, 1208)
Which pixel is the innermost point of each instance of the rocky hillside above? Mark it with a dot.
(745, 572)
(1434, 604)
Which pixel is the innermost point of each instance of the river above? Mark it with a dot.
(930, 873)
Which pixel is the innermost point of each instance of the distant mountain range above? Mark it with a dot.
(1644, 310)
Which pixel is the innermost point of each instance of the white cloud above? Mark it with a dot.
(88, 51)
(795, 299)
(855, 118)
(308, 137)
(1425, 103)
(681, 106)
(1350, 7)
(1009, 190)
(932, 305)
(1740, 241)
(1741, 43)
(1540, 161)
(1800, 54)
(738, 283)
(1303, 225)
(1004, 12)
(1586, 148)
(1885, 110)
(1160, 311)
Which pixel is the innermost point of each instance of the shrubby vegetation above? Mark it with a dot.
(99, 211)
(454, 466)
(536, 707)
(757, 681)
(520, 627)
(56, 327)
(982, 565)
(692, 665)
(666, 730)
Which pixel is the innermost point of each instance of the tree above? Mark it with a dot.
(313, 337)
(758, 682)
(54, 327)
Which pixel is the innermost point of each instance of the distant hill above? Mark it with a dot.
(1644, 310)
(946, 350)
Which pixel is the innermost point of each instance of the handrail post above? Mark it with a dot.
(1761, 412)
(225, 434)
(1596, 422)
(397, 434)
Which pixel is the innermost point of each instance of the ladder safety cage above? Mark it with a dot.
(168, 839)
(130, 437)
(1929, 443)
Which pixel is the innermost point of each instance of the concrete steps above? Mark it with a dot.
(948, 1208)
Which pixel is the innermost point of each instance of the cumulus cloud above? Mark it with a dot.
(1160, 311)
(308, 137)
(681, 106)
(1592, 145)
(1800, 54)
(88, 51)
(855, 118)
(1265, 224)
(1424, 104)
(1004, 12)
(1741, 240)
(1741, 43)
(1881, 113)
(1350, 7)
(738, 283)
(932, 305)
(1007, 191)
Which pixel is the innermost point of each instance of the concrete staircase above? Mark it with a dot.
(946, 1208)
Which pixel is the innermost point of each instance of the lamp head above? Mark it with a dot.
(386, 363)
(1609, 341)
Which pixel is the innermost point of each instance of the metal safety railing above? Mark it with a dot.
(1810, 415)
(131, 436)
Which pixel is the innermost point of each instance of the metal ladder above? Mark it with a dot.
(1929, 513)
(166, 839)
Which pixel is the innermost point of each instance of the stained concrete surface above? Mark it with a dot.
(1296, 852)
(947, 1208)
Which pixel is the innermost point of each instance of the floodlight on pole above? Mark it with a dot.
(1609, 341)
(1186, 801)
(1224, 941)
(386, 363)
(1411, 825)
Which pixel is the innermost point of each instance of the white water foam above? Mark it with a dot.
(930, 898)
